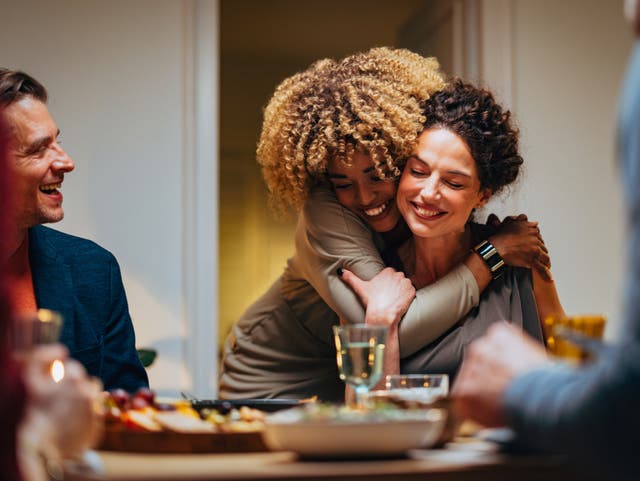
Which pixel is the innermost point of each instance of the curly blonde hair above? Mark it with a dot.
(371, 102)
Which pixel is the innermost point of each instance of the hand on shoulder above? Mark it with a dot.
(386, 297)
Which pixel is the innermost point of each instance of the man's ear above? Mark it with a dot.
(485, 195)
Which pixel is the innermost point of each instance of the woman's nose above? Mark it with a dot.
(431, 188)
(365, 196)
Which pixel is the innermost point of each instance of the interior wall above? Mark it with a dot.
(254, 245)
(568, 60)
(119, 83)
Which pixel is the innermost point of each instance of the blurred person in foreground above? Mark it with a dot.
(43, 422)
(590, 413)
(53, 270)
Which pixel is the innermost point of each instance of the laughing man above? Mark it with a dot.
(53, 270)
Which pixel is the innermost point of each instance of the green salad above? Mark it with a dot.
(334, 413)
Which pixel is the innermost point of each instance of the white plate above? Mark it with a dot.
(352, 438)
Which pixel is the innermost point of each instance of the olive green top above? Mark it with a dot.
(282, 346)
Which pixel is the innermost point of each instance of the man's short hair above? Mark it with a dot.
(15, 85)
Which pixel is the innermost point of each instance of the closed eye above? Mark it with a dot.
(38, 149)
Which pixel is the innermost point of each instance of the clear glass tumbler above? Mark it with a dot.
(360, 352)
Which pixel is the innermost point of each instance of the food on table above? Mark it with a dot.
(141, 411)
(140, 420)
(331, 413)
(176, 421)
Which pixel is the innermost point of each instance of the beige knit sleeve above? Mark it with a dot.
(328, 236)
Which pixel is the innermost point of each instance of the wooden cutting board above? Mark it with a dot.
(120, 439)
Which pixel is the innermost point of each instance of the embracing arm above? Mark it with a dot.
(547, 300)
(386, 298)
(328, 237)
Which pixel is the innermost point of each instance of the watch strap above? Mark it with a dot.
(490, 256)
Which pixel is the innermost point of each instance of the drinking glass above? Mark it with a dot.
(570, 337)
(418, 388)
(40, 327)
(360, 356)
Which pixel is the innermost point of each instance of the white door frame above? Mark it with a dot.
(200, 187)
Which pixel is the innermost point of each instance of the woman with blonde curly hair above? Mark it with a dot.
(333, 143)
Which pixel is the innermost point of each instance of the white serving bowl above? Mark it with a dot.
(349, 438)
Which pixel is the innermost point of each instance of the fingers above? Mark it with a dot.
(543, 245)
(516, 218)
(543, 271)
(37, 365)
(501, 331)
(46, 353)
(493, 220)
(355, 283)
(74, 372)
(543, 258)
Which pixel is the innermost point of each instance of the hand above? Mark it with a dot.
(386, 297)
(520, 244)
(64, 416)
(490, 364)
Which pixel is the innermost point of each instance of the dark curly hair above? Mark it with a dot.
(473, 114)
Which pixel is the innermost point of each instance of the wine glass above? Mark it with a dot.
(40, 327)
(360, 356)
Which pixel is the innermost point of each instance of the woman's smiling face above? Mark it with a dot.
(359, 189)
(440, 186)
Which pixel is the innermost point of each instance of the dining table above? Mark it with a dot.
(463, 459)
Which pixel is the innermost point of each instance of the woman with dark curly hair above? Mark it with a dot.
(467, 152)
(333, 140)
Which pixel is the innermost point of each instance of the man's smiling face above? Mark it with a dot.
(37, 161)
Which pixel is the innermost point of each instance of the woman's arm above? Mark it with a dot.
(386, 298)
(546, 296)
(328, 237)
(520, 244)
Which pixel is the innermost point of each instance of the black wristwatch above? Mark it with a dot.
(490, 256)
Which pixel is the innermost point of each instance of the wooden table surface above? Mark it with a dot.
(460, 461)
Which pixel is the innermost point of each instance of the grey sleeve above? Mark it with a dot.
(329, 236)
(590, 413)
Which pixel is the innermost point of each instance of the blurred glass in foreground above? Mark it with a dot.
(574, 338)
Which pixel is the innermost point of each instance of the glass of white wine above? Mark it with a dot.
(360, 356)
(40, 327)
